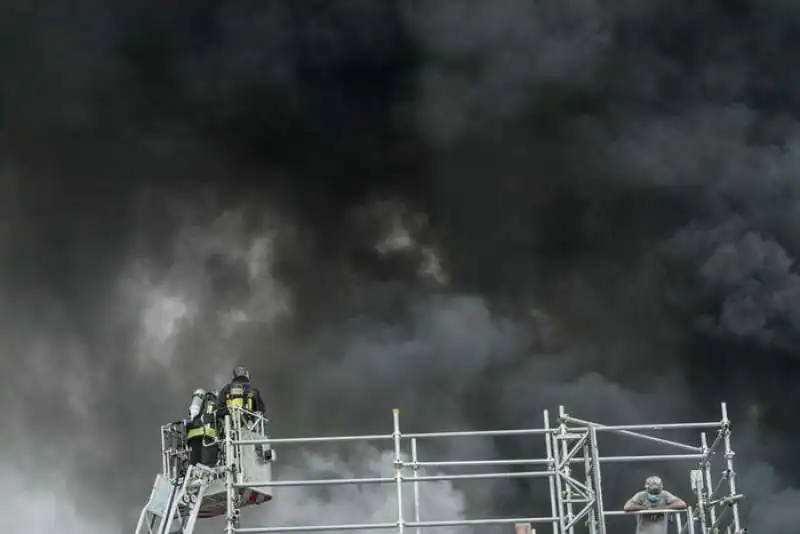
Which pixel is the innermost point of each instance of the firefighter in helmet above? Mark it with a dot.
(201, 428)
(241, 393)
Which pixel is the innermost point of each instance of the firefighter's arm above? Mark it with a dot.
(222, 402)
(259, 402)
(191, 421)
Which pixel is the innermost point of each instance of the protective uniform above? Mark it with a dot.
(201, 429)
(241, 393)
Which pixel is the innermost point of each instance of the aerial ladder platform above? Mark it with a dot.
(182, 494)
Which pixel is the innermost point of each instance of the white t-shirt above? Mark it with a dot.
(655, 523)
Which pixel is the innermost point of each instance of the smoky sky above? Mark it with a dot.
(469, 210)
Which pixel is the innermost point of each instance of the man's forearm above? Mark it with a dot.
(633, 507)
(677, 505)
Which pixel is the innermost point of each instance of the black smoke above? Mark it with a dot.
(470, 210)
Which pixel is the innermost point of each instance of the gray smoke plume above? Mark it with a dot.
(469, 211)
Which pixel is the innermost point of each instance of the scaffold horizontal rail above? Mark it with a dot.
(315, 482)
(480, 476)
(384, 526)
(663, 426)
(386, 480)
(387, 437)
(324, 439)
(651, 458)
(647, 512)
(467, 522)
(544, 461)
(315, 528)
(478, 433)
(479, 463)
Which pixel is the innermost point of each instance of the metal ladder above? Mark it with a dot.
(182, 503)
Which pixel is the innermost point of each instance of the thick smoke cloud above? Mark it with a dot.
(470, 211)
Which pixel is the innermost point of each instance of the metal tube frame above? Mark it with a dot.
(587, 467)
(730, 473)
(415, 467)
(702, 509)
(708, 485)
(398, 470)
(551, 467)
(597, 479)
(563, 442)
(232, 511)
(555, 470)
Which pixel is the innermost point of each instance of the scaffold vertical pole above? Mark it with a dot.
(556, 489)
(587, 465)
(729, 454)
(702, 514)
(398, 470)
(415, 460)
(709, 486)
(690, 519)
(230, 517)
(567, 470)
(598, 481)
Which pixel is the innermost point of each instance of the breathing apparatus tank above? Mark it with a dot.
(198, 397)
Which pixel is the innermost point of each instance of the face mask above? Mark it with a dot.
(653, 497)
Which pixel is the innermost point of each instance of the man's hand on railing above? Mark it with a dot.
(635, 507)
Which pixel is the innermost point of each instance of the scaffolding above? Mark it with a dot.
(576, 505)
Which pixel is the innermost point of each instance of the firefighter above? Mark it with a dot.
(201, 429)
(241, 393)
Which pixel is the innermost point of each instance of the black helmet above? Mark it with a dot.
(241, 372)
